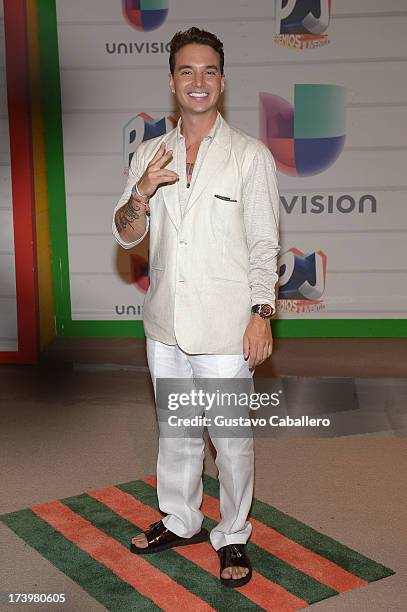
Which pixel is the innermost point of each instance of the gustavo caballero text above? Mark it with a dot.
(274, 420)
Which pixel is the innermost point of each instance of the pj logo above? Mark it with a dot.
(302, 281)
(307, 137)
(140, 128)
(301, 24)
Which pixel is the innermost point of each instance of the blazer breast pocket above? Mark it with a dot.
(226, 199)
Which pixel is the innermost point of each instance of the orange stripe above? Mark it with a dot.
(295, 554)
(137, 572)
(260, 590)
(291, 552)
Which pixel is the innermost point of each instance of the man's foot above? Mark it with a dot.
(235, 572)
(140, 540)
(235, 566)
(159, 538)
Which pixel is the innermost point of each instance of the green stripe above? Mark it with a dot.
(340, 328)
(92, 576)
(283, 328)
(293, 580)
(181, 570)
(299, 532)
(54, 157)
(102, 329)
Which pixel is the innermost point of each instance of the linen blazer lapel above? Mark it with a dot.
(170, 192)
(212, 164)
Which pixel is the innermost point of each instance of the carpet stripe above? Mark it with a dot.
(296, 582)
(295, 554)
(347, 558)
(181, 570)
(259, 590)
(96, 579)
(167, 594)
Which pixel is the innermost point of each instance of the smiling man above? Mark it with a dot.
(207, 193)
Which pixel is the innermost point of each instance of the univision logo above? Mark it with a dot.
(305, 138)
(145, 15)
(301, 24)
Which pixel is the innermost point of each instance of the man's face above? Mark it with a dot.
(197, 80)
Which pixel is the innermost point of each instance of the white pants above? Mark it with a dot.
(180, 462)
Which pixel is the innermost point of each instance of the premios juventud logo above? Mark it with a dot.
(302, 281)
(145, 15)
(302, 24)
(140, 128)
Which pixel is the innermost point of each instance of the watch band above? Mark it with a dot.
(264, 310)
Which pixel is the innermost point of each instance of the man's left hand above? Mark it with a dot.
(257, 341)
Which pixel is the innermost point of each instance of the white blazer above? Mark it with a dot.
(200, 295)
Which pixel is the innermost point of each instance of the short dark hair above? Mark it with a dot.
(195, 36)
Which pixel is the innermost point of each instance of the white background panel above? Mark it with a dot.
(101, 92)
(367, 7)
(6, 230)
(4, 139)
(97, 254)
(363, 251)
(355, 252)
(112, 90)
(245, 42)
(353, 169)
(5, 186)
(8, 321)
(8, 305)
(7, 274)
(99, 11)
(83, 133)
(391, 213)
(363, 291)
(92, 214)
(87, 174)
(98, 295)
(3, 94)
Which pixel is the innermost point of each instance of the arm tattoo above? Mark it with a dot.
(127, 214)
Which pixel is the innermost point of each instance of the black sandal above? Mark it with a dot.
(234, 555)
(160, 538)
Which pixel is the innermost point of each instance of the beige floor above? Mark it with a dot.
(85, 419)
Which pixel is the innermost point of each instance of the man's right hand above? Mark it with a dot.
(155, 174)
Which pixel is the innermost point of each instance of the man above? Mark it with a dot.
(208, 195)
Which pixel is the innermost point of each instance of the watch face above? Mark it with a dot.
(266, 311)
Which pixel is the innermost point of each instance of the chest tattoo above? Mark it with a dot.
(189, 169)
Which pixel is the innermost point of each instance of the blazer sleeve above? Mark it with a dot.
(261, 218)
(135, 172)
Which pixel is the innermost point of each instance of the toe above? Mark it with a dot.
(140, 541)
(227, 572)
(239, 572)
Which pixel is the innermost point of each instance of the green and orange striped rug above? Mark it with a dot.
(87, 537)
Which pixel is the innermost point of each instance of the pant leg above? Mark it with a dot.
(180, 459)
(234, 459)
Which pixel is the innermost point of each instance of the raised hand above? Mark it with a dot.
(155, 173)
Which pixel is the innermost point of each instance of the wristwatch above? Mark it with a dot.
(264, 310)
